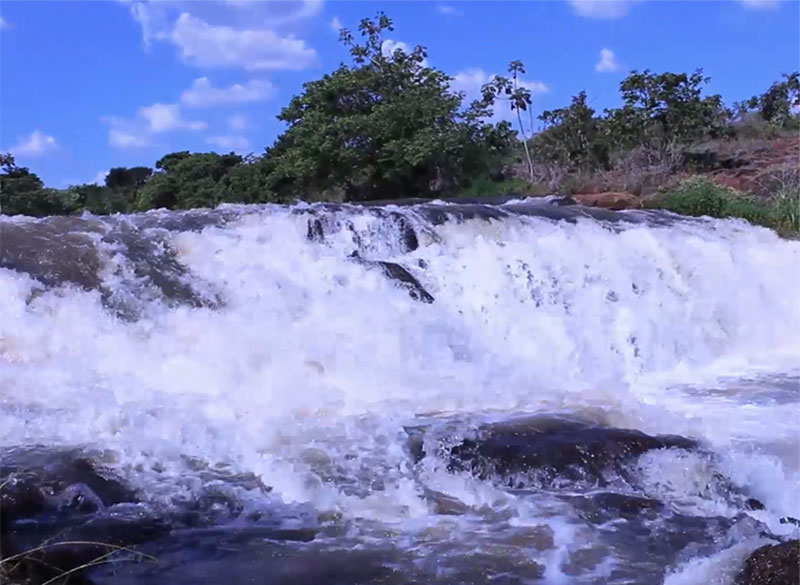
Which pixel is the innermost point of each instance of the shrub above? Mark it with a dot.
(487, 187)
(786, 203)
(701, 196)
(698, 196)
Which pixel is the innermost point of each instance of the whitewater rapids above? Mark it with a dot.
(270, 342)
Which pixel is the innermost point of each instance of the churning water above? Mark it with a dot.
(430, 393)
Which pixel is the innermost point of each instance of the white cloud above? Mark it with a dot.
(100, 178)
(206, 45)
(602, 9)
(152, 17)
(238, 122)
(608, 61)
(448, 9)
(235, 143)
(166, 117)
(336, 24)
(203, 94)
(149, 121)
(127, 138)
(36, 144)
(274, 13)
(388, 47)
(4, 24)
(471, 81)
(760, 4)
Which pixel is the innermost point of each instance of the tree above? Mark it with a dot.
(187, 180)
(23, 193)
(123, 178)
(386, 126)
(661, 110)
(779, 105)
(518, 97)
(573, 137)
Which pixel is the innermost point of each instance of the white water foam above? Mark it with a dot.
(315, 363)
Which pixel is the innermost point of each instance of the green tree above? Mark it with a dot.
(187, 180)
(779, 105)
(573, 136)
(386, 126)
(22, 192)
(518, 97)
(662, 110)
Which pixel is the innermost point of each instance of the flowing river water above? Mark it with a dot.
(429, 393)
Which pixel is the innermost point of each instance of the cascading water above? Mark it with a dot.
(342, 375)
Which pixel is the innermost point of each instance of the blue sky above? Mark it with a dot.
(86, 86)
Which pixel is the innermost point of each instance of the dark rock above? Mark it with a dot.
(606, 506)
(406, 280)
(540, 449)
(56, 483)
(408, 237)
(315, 233)
(19, 499)
(790, 520)
(777, 564)
(400, 275)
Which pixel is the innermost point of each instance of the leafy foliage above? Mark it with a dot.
(573, 136)
(386, 126)
(186, 180)
(700, 196)
(779, 106)
(23, 192)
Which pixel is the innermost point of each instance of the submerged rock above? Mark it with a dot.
(543, 450)
(773, 564)
(402, 277)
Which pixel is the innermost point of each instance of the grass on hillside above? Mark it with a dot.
(700, 196)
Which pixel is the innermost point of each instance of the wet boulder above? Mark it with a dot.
(546, 451)
(399, 275)
(773, 564)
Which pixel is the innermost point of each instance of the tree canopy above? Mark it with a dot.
(385, 126)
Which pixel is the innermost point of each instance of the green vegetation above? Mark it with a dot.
(390, 126)
(386, 127)
(700, 196)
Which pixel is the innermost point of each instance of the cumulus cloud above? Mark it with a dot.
(238, 122)
(232, 142)
(202, 93)
(602, 9)
(336, 24)
(127, 138)
(471, 81)
(228, 33)
(149, 121)
(389, 46)
(36, 144)
(608, 61)
(206, 45)
(167, 117)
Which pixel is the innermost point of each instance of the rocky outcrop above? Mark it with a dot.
(615, 200)
(773, 564)
(543, 450)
